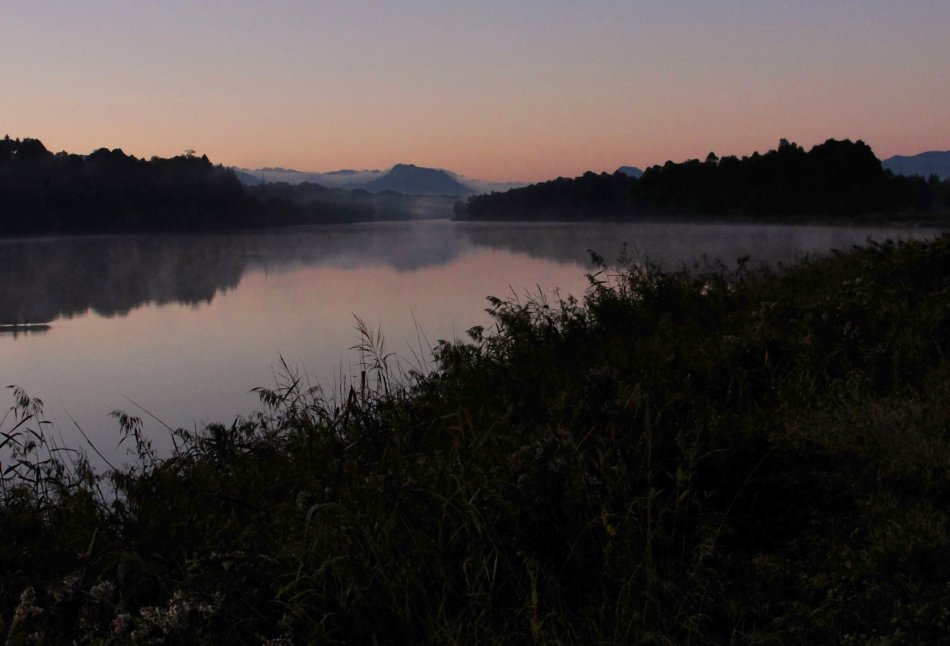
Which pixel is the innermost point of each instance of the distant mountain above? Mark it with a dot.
(407, 179)
(335, 179)
(934, 162)
(349, 172)
(416, 180)
(247, 177)
(630, 171)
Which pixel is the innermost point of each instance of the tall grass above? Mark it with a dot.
(714, 457)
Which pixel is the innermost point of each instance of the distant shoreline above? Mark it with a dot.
(908, 220)
(903, 220)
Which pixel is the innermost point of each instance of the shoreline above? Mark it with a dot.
(936, 220)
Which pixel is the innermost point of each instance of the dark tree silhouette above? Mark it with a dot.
(109, 190)
(835, 178)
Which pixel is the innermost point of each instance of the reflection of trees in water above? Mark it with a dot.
(672, 245)
(16, 330)
(401, 246)
(675, 245)
(564, 243)
(46, 279)
(50, 278)
(573, 242)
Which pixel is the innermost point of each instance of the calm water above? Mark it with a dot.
(185, 326)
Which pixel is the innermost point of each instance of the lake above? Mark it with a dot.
(184, 326)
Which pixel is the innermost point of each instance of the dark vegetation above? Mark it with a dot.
(43, 192)
(353, 205)
(108, 191)
(699, 457)
(835, 179)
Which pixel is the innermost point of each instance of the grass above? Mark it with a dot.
(700, 458)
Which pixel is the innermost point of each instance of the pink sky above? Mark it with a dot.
(524, 90)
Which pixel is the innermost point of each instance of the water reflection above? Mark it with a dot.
(677, 245)
(53, 278)
(23, 329)
(187, 325)
(403, 246)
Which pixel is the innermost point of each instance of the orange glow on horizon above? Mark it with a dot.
(519, 93)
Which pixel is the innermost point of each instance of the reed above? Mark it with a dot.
(716, 456)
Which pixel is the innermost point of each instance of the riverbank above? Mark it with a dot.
(909, 219)
(737, 456)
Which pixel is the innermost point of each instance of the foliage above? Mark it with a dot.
(107, 190)
(327, 205)
(693, 457)
(586, 197)
(836, 178)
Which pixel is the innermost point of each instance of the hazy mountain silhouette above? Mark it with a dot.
(934, 162)
(407, 179)
(349, 172)
(346, 178)
(630, 171)
(247, 177)
(357, 204)
(410, 179)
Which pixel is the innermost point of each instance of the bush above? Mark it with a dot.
(721, 457)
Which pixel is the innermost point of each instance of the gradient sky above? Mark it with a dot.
(498, 90)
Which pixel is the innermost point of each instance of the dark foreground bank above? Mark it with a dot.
(751, 457)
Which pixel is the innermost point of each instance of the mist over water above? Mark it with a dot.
(186, 325)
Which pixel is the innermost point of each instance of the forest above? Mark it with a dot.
(109, 191)
(838, 178)
(352, 204)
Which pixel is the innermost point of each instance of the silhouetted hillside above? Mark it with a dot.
(409, 179)
(107, 190)
(406, 179)
(356, 205)
(632, 171)
(587, 197)
(345, 178)
(836, 178)
(934, 162)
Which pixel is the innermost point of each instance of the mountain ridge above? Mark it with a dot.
(408, 179)
(925, 164)
(630, 171)
(445, 182)
(417, 180)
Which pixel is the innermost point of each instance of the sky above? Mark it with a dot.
(513, 90)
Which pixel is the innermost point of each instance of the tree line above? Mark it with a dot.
(835, 178)
(108, 190)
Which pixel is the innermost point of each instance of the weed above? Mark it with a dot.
(679, 457)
